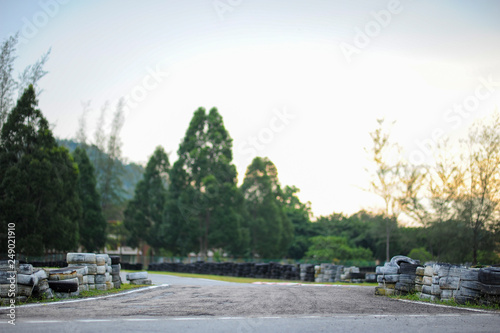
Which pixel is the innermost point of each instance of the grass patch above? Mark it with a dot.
(415, 297)
(84, 294)
(247, 279)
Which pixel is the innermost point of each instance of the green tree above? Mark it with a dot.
(92, 223)
(38, 182)
(205, 204)
(335, 249)
(270, 229)
(300, 215)
(31, 75)
(144, 215)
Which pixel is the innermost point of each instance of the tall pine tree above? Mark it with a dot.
(205, 204)
(144, 215)
(92, 224)
(38, 181)
(270, 229)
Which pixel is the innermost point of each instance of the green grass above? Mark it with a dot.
(85, 294)
(415, 297)
(246, 279)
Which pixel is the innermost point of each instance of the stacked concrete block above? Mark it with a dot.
(115, 271)
(138, 278)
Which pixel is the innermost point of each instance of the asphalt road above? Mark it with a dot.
(198, 305)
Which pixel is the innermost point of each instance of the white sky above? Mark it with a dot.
(256, 59)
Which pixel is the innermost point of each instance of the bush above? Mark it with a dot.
(420, 254)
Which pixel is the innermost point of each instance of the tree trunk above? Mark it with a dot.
(387, 240)
(474, 246)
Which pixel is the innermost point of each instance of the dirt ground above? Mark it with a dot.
(231, 301)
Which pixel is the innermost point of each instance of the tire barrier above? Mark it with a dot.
(99, 274)
(138, 278)
(439, 281)
(132, 267)
(276, 271)
(23, 282)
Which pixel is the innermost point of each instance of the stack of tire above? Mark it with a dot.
(138, 278)
(307, 272)
(407, 276)
(469, 286)
(387, 277)
(325, 273)
(489, 279)
(26, 280)
(449, 281)
(318, 275)
(88, 260)
(65, 282)
(115, 272)
(103, 276)
(427, 285)
(42, 289)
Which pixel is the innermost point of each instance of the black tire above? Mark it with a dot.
(449, 282)
(387, 270)
(406, 268)
(469, 292)
(465, 299)
(26, 269)
(427, 290)
(115, 260)
(475, 285)
(397, 260)
(80, 258)
(27, 280)
(64, 286)
(100, 278)
(6, 277)
(471, 274)
(405, 287)
(393, 278)
(490, 275)
(490, 289)
(407, 278)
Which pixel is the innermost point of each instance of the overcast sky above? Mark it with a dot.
(301, 82)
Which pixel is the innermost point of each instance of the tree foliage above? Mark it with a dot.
(335, 249)
(38, 182)
(271, 231)
(8, 84)
(205, 205)
(145, 213)
(92, 224)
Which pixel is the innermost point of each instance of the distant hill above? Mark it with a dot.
(132, 172)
